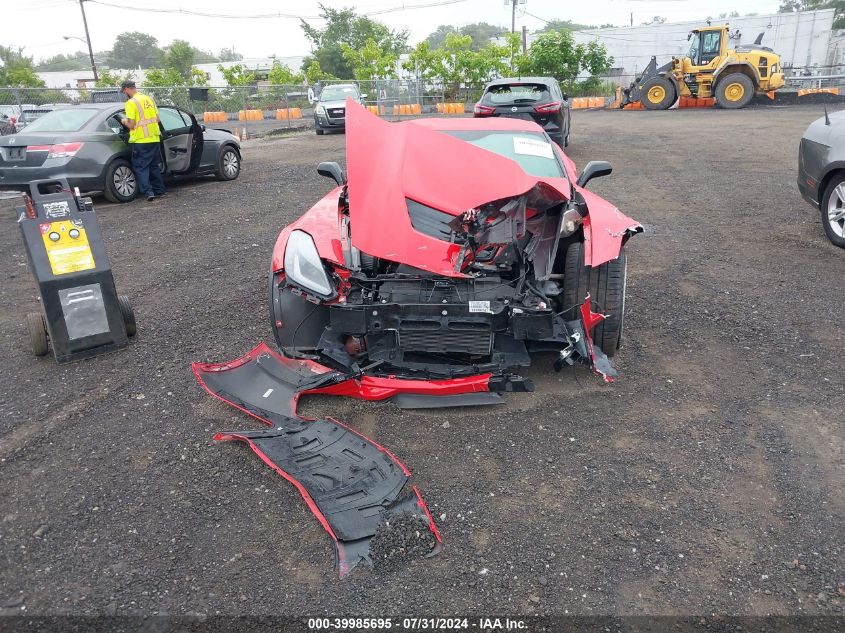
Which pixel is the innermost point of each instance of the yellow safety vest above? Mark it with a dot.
(142, 109)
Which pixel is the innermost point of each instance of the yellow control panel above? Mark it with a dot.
(67, 247)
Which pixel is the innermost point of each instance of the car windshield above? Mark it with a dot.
(531, 150)
(69, 120)
(516, 93)
(338, 93)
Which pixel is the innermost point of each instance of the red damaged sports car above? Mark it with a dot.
(455, 249)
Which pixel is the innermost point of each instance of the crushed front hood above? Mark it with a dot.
(389, 164)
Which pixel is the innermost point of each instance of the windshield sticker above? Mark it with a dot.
(532, 147)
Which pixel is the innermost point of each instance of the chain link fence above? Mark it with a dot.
(267, 109)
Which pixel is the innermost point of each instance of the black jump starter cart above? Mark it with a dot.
(81, 313)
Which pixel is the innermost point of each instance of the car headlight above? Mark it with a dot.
(303, 266)
(570, 222)
(320, 110)
(774, 68)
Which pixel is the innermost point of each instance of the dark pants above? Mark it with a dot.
(146, 162)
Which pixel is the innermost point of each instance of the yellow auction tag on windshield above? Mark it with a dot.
(67, 247)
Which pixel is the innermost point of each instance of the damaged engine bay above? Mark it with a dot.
(384, 317)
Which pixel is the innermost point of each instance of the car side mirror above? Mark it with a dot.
(364, 95)
(565, 97)
(202, 127)
(331, 170)
(594, 169)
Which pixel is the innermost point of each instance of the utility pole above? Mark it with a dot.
(88, 39)
(513, 15)
(524, 38)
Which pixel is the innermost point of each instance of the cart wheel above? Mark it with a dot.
(37, 333)
(128, 315)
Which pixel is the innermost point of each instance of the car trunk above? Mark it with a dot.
(519, 101)
(26, 150)
(523, 111)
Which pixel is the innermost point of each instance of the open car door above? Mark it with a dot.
(181, 140)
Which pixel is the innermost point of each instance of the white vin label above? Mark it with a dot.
(480, 306)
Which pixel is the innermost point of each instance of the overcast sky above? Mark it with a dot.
(40, 25)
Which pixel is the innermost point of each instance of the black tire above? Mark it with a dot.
(120, 185)
(826, 211)
(724, 91)
(228, 164)
(37, 333)
(128, 315)
(606, 285)
(320, 131)
(653, 89)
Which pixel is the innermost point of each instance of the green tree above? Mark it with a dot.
(594, 58)
(556, 54)
(237, 75)
(74, 61)
(480, 32)
(111, 79)
(344, 26)
(313, 72)
(204, 57)
(370, 61)
(422, 61)
(456, 63)
(281, 74)
(229, 55)
(565, 25)
(17, 70)
(179, 56)
(198, 77)
(163, 77)
(133, 49)
(788, 6)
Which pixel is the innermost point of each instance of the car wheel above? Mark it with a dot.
(37, 333)
(229, 164)
(606, 285)
(658, 94)
(120, 182)
(833, 210)
(320, 132)
(128, 315)
(734, 91)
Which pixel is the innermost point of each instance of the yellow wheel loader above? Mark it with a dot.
(711, 69)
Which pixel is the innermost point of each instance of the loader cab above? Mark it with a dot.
(706, 45)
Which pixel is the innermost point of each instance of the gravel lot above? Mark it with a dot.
(708, 479)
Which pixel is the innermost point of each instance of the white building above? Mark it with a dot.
(81, 79)
(803, 39)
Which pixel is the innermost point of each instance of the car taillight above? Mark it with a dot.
(63, 150)
(13, 119)
(482, 110)
(548, 108)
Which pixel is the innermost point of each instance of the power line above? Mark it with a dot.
(265, 16)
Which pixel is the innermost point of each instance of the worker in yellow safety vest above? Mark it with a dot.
(144, 138)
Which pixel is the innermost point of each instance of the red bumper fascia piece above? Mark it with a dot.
(290, 378)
